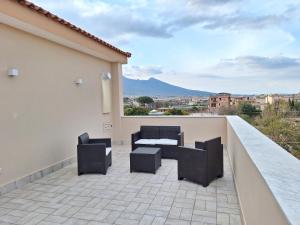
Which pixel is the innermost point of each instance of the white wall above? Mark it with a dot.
(42, 110)
(194, 128)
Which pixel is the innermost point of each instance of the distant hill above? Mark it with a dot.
(154, 87)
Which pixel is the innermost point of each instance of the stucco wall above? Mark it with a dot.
(195, 128)
(42, 110)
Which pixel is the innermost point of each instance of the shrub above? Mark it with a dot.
(135, 111)
(175, 111)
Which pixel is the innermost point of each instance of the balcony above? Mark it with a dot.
(260, 185)
(45, 108)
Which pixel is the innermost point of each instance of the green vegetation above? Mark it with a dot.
(248, 109)
(276, 123)
(126, 100)
(195, 108)
(294, 106)
(135, 111)
(232, 110)
(144, 100)
(279, 121)
(175, 111)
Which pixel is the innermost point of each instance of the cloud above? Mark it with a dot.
(242, 67)
(142, 72)
(259, 40)
(279, 62)
(162, 18)
(209, 2)
(241, 75)
(227, 15)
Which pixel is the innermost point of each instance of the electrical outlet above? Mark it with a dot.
(107, 126)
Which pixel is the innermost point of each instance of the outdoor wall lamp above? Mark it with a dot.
(106, 76)
(79, 81)
(13, 72)
(106, 92)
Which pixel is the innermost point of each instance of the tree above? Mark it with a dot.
(291, 103)
(274, 123)
(297, 106)
(248, 109)
(135, 111)
(195, 108)
(175, 111)
(145, 100)
(126, 100)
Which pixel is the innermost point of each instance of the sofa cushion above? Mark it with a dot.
(83, 139)
(108, 150)
(165, 141)
(156, 142)
(169, 132)
(150, 132)
(147, 142)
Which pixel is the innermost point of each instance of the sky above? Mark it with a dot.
(236, 46)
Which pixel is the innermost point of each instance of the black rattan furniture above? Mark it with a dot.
(145, 159)
(165, 137)
(93, 155)
(202, 164)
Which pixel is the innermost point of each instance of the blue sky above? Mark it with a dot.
(237, 46)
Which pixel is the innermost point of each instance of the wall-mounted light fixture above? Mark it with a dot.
(106, 76)
(78, 81)
(106, 92)
(12, 72)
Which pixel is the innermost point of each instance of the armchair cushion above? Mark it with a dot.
(107, 150)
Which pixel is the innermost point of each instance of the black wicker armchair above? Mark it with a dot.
(93, 155)
(202, 164)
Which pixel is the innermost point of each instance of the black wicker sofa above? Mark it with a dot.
(168, 138)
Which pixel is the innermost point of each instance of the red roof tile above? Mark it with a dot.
(57, 19)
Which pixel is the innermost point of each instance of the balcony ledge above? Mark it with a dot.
(177, 116)
(279, 169)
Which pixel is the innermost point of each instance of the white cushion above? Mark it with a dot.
(165, 141)
(156, 142)
(147, 141)
(108, 150)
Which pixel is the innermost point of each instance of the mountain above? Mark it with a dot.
(154, 87)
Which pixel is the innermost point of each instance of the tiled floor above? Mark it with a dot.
(121, 197)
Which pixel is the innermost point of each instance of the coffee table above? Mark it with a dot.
(145, 159)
